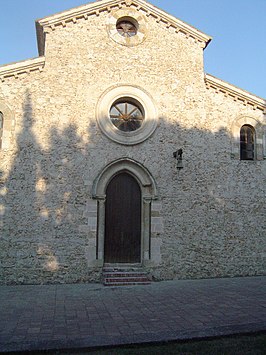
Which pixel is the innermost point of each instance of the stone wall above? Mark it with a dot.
(208, 220)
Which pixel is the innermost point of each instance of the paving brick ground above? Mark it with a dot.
(89, 315)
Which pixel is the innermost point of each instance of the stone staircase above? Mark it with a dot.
(125, 277)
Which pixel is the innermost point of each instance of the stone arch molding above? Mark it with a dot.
(137, 170)
(149, 193)
(259, 136)
(8, 126)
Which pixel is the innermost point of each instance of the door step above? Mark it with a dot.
(120, 277)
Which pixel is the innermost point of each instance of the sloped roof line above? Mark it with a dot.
(26, 66)
(95, 8)
(235, 92)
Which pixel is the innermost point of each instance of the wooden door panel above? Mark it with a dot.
(122, 220)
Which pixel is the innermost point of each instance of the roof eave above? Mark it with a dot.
(236, 92)
(23, 67)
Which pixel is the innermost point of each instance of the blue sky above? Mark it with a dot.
(237, 53)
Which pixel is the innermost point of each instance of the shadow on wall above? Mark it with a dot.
(208, 214)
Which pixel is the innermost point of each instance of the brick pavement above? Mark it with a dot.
(89, 315)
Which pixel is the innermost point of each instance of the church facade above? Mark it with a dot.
(118, 150)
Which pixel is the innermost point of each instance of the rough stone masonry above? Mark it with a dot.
(60, 150)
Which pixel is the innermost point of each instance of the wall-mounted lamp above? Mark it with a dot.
(178, 155)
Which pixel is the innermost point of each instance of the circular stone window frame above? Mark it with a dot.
(130, 15)
(128, 92)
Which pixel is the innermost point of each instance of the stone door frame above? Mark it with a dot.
(148, 192)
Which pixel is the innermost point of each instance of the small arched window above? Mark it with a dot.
(247, 143)
(1, 127)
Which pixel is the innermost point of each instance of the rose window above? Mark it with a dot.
(126, 115)
(126, 28)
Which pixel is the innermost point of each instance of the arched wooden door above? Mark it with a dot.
(122, 242)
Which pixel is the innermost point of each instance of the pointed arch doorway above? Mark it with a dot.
(122, 242)
(125, 188)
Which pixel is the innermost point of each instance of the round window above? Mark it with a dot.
(127, 115)
(126, 27)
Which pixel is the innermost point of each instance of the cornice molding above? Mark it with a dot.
(83, 12)
(235, 93)
(25, 66)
